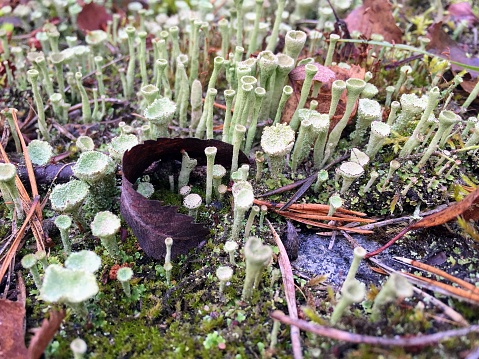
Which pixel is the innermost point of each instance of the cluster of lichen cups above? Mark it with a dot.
(353, 291)
(256, 89)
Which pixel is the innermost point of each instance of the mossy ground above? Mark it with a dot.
(190, 319)
(177, 320)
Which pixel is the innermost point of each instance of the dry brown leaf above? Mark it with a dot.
(324, 97)
(442, 44)
(462, 11)
(45, 334)
(150, 220)
(12, 338)
(468, 204)
(375, 17)
(93, 17)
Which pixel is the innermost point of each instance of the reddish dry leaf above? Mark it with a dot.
(12, 338)
(93, 17)
(442, 44)
(462, 11)
(375, 17)
(324, 74)
(324, 98)
(45, 334)
(468, 204)
(150, 221)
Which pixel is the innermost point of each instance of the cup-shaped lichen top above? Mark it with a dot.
(161, 111)
(369, 110)
(85, 143)
(96, 37)
(354, 291)
(150, 93)
(192, 202)
(412, 104)
(257, 253)
(57, 58)
(294, 42)
(277, 140)
(124, 274)
(69, 196)
(105, 224)
(40, 152)
(396, 287)
(62, 285)
(84, 260)
(120, 144)
(7, 172)
(359, 157)
(349, 171)
(224, 273)
(244, 199)
(93, 166)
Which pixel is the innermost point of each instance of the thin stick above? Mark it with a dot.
(309, 207)
(13, 249)
(323, 225)
(289, 291)
(405, 341)
(444, 288)
(451, 313)
(437, 271)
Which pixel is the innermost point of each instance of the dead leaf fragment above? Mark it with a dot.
(45, 334)
(375, 17)
(151, 221)
(93, 17)
(462, 11)
(466, 205)
(441, 44)
(12, 339)
(327, 75)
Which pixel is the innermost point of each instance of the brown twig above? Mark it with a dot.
(13, 249)
(437, 271)
(289, 290)
(388, 244)
(405, 341)
(451, 313)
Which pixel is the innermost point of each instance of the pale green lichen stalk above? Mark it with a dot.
(30, 262)
(277, 142)
(98, 170)
(354, 88)
(8, 173)
(243, 201)
(358, 255)
(187, 165)
(224, 274)
(124, 275)
(106, 225)
(396, 287)
(352, 291)
(64, 223)
(257, 257)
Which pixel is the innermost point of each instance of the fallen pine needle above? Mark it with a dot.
(447, 310)
(13, 249)
(438, 272)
